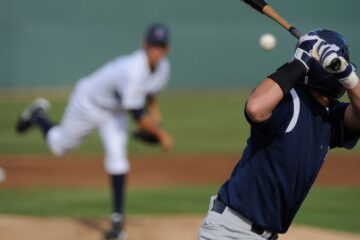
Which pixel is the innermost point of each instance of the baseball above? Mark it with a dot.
(267, 41)
(2, 175)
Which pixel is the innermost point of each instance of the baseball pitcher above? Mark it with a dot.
(102, 101)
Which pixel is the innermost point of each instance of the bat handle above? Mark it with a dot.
(335, 64)
(295, 32)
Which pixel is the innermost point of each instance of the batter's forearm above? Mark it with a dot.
(352, 114)
(271, 91)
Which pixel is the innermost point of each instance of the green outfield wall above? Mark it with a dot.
(52, 43)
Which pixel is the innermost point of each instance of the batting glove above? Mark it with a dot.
(325, 54)
(307, 44)
(346, 74)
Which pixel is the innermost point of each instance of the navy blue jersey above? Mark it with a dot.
(283, 158)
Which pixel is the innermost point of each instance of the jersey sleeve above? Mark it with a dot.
(338, 136)
(159, 79)
(132, 92)
(278, 121)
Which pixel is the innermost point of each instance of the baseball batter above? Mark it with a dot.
(101, 101)
(295, 119)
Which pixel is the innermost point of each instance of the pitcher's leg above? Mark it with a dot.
(114, 137)
(60, 138)
(70, 132)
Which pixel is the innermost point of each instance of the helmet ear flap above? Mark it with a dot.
(345, 51)
(324, 82)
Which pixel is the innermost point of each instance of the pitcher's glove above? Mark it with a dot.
(146, 137)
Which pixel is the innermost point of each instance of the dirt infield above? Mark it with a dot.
(80, 171)
(138, 228)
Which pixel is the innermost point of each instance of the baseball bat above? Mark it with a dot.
(264, 8)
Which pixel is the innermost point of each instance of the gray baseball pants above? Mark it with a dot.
(228, 225)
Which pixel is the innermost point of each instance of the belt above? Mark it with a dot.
(219, 207)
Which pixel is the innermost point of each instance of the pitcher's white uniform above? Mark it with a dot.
(102, 100)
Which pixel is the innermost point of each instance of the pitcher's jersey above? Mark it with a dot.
(124, 83)
(282, 159)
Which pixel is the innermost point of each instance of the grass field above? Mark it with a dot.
(335, 208)
(202, 123)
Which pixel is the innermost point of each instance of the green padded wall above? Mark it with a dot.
(52, 43)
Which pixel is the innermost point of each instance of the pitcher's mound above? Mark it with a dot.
(138, 228)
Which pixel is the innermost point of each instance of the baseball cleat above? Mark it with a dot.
(116, 233)
(25, 121)
(115, 236)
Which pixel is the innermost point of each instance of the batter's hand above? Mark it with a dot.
(326, 53)
(307, 44)
(346, 74)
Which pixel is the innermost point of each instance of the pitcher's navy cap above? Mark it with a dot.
(157, 34)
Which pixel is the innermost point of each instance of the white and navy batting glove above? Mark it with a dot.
(304, 51)
(346, 74)
(325, 54)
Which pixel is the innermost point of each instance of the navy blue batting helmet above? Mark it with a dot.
(318, 77)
